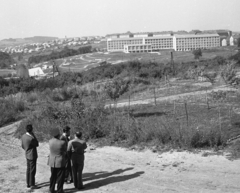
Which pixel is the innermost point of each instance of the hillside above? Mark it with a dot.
(27, 40)
(40, 38)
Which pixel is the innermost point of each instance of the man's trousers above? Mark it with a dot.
(57, 176)
(77, 169)
(31, 172)
(68, 171)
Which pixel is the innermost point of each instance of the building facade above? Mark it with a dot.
(185, 42)
(192, 42)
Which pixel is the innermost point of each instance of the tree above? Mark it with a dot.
(229, 74)
(5, 60)
(197, 53)
(116, 88)
(22, 71)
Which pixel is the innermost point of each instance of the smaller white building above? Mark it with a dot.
(36, 72)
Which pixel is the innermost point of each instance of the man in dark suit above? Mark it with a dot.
(57, 161)
(76, 151)
(68, 170)
(30, 144)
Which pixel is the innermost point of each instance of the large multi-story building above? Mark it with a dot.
(185, 42)
(192, 42)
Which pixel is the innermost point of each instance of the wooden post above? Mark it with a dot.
(174, 108)
(230, 114)
(186, 110)
(207, 102)
(155, 100)
(219, 119)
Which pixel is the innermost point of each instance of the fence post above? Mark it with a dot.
(186, 110)
(230, 114)
(174, 108)
(207, 102)
(219, 119)
(155, 100)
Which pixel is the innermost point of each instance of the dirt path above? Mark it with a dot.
(117, 170)
(171, 97)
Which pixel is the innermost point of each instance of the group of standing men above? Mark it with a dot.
(66, 158)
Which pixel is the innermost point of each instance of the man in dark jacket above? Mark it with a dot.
(68, 170)
(76, 151)
(57, 161)
(30, 144)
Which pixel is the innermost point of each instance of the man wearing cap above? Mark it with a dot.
(57, 161)
(68, 170)
(30, 144)
(76, 151)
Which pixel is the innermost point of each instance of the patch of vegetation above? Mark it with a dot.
(10, 110)
(61, 54)
(5, 60)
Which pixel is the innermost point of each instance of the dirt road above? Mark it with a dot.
(117, 170)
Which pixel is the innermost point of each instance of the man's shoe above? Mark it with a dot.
(34, 187)
(28, 186)
(69, 182)
(81, 188)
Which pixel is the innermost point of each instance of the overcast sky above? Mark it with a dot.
(75, 18)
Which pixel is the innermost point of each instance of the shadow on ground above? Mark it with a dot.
(108, 178)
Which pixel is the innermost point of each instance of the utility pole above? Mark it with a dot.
(53, 66)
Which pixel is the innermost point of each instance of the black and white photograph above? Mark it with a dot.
(120, 96)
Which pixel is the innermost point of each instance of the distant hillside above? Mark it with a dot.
(40, 38)
(19, 41)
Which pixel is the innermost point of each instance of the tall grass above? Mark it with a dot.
(10, 110)
(141, 125)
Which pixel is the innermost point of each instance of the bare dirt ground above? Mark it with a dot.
(117, 170)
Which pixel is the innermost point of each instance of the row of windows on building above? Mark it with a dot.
(177, 43)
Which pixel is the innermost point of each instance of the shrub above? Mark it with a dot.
(32, 97)
(9, 111)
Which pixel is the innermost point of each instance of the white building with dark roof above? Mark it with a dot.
(184, 42)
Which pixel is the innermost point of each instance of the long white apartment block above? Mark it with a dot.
(192, 42)
(186, 42)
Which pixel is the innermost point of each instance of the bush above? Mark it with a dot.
(10, 111)
(32, 97)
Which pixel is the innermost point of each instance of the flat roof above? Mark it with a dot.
(141, 38)
(159, 37)
(193, 35)
(138, 38)
(138, 45)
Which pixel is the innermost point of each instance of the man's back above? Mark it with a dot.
(30, 144)
(64, 138)
(57, 153)
(77, 147)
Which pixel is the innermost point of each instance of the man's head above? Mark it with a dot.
(55, 132)
(78, 134)
(66, 130)
(29, 128)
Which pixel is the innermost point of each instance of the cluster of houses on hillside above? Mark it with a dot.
(52, 45)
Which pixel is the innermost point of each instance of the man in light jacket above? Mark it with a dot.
(30, 144)
(76, 151)
(57, 161)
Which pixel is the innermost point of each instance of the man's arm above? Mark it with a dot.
(69, 149)
(34, 141)
(22, 143)
(84, 145)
